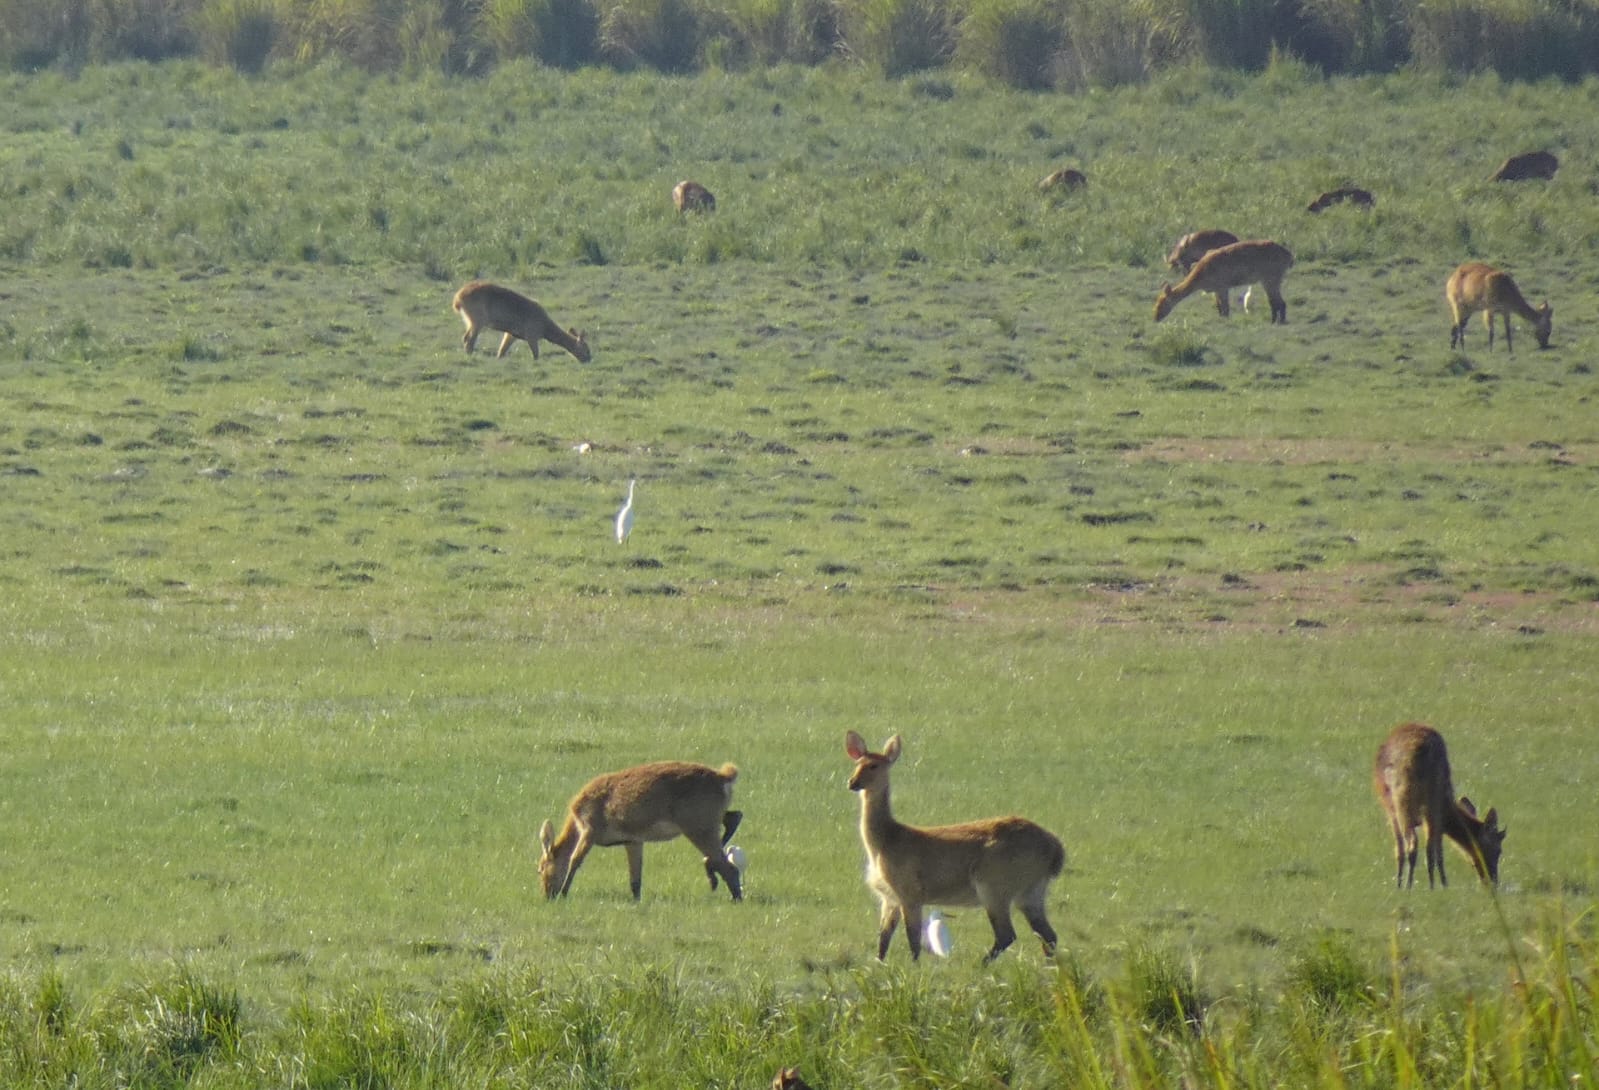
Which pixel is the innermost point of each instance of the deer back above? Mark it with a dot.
(655, 801)
(1411, 776)
(498, 307)
(1195, 245)
(1238, 263)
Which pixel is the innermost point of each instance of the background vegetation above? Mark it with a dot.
(307, 619)
(1034, 44)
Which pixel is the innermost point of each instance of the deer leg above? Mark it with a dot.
(1488, 320)
(635, 867)
(730, 821)
(1033, 911)
(1004, 931)
(1508, 346)
(1399, 856)
(717, 863)
(1223, 304)
(913, 929)
(469, 338)
(886, 926)
(1279, 305)
(505, 345)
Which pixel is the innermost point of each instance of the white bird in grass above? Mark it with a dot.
(624, 517)
(937, 934)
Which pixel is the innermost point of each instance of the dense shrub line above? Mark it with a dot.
(1035, 44)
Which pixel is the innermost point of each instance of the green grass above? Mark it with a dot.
(307, 619)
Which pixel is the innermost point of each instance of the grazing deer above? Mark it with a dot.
(1191, 247)
(997, 864)
(1533, 164)
(1350, 193)
(1411, 777)
(1476, 286)
(789, 1079)
(692, 197)
(1065, 178)
(1262, 262)
(635, 806)
(483, 305)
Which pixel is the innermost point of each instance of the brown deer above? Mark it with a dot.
(632, 807)
(997, 864)
(1191, 247)
(1353, 194)
(1065, 178)
(1532, 164)
(789, 1079)
(692, 197)
(1411, 777)
(1476, 286)
(1259, 261)
(483, 305)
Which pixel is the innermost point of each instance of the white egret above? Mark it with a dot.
(624, 517)
(937, 934)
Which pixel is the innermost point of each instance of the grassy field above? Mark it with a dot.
(309, 619)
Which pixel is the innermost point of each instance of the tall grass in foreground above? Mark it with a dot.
(1339, 1022)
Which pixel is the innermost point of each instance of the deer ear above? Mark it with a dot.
(546, 834)
(854, 745)
(1465, 804)
(1491, 818)
(891, 750)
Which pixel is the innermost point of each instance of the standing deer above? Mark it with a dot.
(997, 864)
(483, 305)
(1259, 261)
(692, 197)
(1191, 247)
(1532, 164)
(1476, 286)
(1411, 777)
(635, 806)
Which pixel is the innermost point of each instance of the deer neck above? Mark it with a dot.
(1464, 830)
(566, 841)
(877, 816)
(558, 336)
(1525, 309)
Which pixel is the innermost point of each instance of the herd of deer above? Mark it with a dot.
(1212, 261)
(998, 864)
(1005, 863)
(1216, 262)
